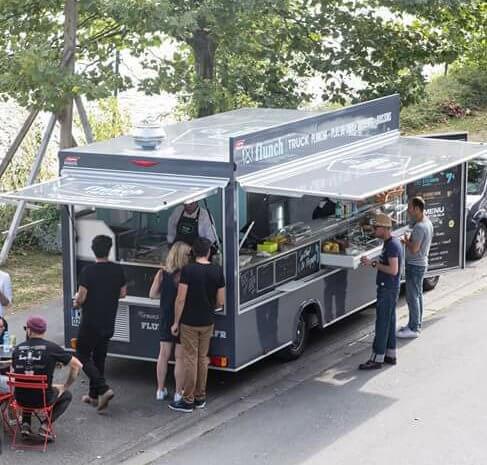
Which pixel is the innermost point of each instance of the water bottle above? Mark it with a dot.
(6, 341)
(338, 209)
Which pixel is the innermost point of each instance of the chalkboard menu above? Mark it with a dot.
(248, 284)
(286, 267)
(265, 276)
(308, 260)
(444, 195)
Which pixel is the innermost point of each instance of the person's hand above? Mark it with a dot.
(366, 261)
(175, 329)
(405, 238)
(60, 388)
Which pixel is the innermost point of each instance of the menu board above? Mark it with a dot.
(265, 276)
(309, 260)
(286, 268)
(248, 284)
(444, 194)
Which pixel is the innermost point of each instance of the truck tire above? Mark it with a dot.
(430, 283)
(295, 350)
(479, 243)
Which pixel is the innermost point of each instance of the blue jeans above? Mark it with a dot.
(385, 324)
(414, 295)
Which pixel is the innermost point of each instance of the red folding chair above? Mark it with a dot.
(5, 401)
(34, 383)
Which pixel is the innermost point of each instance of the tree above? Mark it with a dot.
(234, 52)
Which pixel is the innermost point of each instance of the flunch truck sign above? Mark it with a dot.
(315, 134)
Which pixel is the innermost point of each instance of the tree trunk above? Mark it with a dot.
(69, 59)
(204, 48)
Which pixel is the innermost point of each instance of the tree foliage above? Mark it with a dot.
(231, 53)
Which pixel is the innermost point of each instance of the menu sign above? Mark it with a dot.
(444, 195)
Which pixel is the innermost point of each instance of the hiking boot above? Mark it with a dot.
(181, 406)
(104, 399)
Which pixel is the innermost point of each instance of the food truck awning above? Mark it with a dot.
(358, 172)
(119, 190)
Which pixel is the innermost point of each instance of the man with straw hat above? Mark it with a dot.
(388, 268)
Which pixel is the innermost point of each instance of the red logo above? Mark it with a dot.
(239, 144)
(71, 161)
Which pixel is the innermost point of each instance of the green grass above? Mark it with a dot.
(475, 124)
(36, 278)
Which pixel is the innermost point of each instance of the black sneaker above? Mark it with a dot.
(370, 365)
(390, 360)
(199, 403)
(181, 406)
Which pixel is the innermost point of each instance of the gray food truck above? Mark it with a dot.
(290, 193)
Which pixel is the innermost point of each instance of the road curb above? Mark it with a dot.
(166, 439)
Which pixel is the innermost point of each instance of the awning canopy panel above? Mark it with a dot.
(361, 173)
(119, 190)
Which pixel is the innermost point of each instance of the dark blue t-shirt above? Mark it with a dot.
(392, 248)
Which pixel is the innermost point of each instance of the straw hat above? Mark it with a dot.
(383, 220)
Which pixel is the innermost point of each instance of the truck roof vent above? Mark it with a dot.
(149, 134)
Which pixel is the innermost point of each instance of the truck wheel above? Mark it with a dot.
(301, 333)
(479, 243)
(430, 283)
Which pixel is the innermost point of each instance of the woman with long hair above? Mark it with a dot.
(165, 287)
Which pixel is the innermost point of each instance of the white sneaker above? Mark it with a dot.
(161, 394)
(407, 333)
(177, 397)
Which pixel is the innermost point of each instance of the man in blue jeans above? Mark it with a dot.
(388, 282)
(417, 246)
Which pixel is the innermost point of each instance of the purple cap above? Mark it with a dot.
(37, 324)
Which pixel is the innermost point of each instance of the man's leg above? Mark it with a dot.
(86, 344)
(382, 322)
(99, 357)
(414, 295)
(205, 333)
(189, 341)
(391, 340)
(61, 404)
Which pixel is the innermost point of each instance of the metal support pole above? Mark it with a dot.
(17, 141)
(84, 119)
(12, 232)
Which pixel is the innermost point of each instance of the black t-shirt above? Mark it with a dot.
(104, 280)
(203, 281)
(39, 357)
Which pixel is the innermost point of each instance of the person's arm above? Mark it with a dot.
(74, 368)
(155, 289)
(392, 268)
(205, 228)
(413, 242)
(172, 224)
(179, 307)
(220, 297)
(6, 295)
(80, 297)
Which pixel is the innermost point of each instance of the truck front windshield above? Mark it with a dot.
(477, 171)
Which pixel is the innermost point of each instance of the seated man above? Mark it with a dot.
(38, 356)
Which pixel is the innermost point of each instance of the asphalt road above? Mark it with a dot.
(138, 426)
(429, 409)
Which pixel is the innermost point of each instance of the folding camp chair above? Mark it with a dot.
(37, 383)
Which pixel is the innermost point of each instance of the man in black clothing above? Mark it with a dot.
(100, 286)
(38, 356)
(201, 289)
